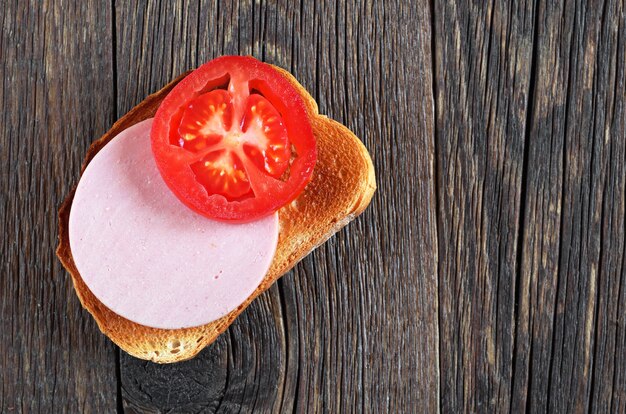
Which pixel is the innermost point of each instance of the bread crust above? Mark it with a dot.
(342, 186)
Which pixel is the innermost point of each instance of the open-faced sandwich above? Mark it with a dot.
(200, 198)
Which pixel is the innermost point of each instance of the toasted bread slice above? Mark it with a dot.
(342, 186)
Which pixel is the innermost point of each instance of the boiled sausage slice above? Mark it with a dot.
(147, 256)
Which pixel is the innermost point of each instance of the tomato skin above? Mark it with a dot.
(243, 74)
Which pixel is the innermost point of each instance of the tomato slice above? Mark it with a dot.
(233, 141)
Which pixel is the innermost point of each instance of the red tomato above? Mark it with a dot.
(232, 140)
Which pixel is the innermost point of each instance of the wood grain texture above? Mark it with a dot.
(483, 66)
(54, 55)
(488, 274)
(572, 309)
(314, 341)
(530, 150)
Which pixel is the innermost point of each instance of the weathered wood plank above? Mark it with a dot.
(354, 326)
(569, 344)
(483, 78)
(571, 325)
(53, 56)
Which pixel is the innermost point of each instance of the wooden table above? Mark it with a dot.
(488, 274)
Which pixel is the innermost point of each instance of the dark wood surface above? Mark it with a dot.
(488, 274)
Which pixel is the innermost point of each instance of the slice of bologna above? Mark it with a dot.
(147, 256)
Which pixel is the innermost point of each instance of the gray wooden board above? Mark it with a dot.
(487, 275)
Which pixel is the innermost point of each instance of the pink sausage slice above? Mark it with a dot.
(147, 256)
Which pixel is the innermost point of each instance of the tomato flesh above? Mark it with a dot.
(266, 141)
(247, 145)
(205, 121)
